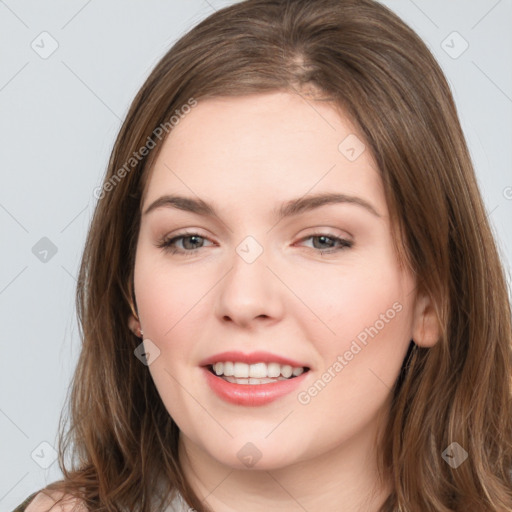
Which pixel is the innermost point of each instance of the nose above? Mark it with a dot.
(249, 293)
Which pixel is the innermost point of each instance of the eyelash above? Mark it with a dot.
(166, 243)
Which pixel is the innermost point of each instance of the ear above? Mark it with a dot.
(426, 328)
(134, 325)
(133, 319)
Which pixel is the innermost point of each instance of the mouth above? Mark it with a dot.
(254, 379)
(255, 384)
(255, 374)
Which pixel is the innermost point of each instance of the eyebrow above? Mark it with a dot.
(290, 208)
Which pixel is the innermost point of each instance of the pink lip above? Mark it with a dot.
(253, 358)
(251, 394)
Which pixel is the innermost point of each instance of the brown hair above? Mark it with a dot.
(376, 70)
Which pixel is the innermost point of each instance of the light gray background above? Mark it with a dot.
(58, 119)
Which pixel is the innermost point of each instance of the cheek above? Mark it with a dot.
(343, 301)
(165, 296)
(359, 364)
(362, 313)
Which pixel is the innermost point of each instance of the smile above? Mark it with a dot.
(256, 374)
(252, 391)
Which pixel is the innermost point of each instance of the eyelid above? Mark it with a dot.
(328, 231)
(325, 231)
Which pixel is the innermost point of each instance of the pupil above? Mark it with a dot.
(323, 239)
(189, 238)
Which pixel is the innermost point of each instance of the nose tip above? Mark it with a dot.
(249, 291)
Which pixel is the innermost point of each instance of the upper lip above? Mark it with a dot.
(252, 358)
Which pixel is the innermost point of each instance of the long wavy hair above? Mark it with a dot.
(365, 60)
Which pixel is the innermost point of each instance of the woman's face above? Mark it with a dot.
(320, 285)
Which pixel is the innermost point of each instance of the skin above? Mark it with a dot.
(248, 155)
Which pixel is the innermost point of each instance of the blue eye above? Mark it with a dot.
(193, 239)
(168, 244)
(322, 237)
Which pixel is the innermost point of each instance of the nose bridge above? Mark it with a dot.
(249, 290)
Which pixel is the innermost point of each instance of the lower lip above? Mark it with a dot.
(251, 394)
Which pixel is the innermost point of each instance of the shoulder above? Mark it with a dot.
(45, 500)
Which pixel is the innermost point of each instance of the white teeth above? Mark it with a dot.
(273, 369)
(251, 380)
(286, 371)
(229, 369)
(260, 371)
(241, 370)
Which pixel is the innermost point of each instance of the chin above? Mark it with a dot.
(242, 454)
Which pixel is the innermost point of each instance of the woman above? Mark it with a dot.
(290, 294)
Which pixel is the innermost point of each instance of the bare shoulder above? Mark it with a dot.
(46, 501)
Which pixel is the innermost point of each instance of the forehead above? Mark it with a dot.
(255, 147)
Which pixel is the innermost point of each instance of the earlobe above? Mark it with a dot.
(426, 328)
